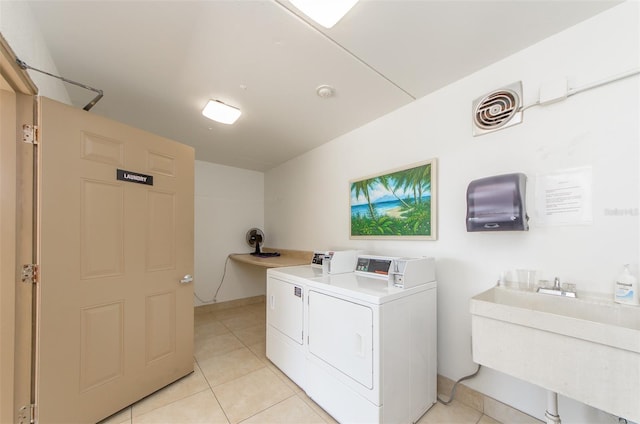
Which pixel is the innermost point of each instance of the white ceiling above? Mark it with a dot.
(159, 62)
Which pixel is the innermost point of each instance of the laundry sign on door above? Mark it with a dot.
(134, 177)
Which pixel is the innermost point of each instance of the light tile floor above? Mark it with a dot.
(233, 382)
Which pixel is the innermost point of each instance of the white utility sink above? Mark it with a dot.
(585, 348)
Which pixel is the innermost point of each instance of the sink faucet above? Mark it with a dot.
(557, 290)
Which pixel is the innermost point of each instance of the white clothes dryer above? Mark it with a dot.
(371, 347)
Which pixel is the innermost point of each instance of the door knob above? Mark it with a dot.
(187, 279)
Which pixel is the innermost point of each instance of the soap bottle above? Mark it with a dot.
(626, 288)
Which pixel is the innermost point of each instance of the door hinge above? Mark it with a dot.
(30, 273)
(30, 134)
(27, 414)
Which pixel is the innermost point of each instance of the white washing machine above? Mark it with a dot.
(286, 293)
(371, 346)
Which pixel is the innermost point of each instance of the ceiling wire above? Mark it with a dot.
(343, 48)
(23, 65)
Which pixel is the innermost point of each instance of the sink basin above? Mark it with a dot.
(584, 348)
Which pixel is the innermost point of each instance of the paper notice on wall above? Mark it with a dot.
(564, 198)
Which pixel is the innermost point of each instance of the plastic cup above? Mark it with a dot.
(527, 278)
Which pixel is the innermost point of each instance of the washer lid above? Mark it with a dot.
(297, 273)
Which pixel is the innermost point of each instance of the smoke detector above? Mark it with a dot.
(499, 109)
(325, 91)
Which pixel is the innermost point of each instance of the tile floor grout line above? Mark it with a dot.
(164, 404)
(212, 392)
(268, 407)
(313, 409)
(245, 346)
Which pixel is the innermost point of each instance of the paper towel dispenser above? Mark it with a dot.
(497, 204)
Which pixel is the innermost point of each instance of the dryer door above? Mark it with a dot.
(284, 308)
(341, 334)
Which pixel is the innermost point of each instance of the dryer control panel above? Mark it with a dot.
(374, 266)
(400, 272)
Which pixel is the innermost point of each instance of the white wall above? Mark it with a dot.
(307, 199)
(19, 29)
(228, 202)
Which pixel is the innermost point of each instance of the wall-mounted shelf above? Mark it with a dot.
(286, 258)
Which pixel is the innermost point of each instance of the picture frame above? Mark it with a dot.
(397, 204)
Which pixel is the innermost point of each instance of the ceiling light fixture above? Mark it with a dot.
(221, 112)
(325, 12)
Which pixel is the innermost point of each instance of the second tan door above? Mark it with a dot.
(115, 322)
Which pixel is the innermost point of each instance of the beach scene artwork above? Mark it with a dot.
(396, 204)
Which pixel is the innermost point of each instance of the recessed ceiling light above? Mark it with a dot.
(325, 12)
(221, 112)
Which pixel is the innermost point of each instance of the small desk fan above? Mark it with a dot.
(255, 238)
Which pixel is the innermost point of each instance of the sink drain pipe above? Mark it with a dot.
(551, 414)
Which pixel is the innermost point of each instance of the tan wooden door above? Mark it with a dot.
(115, 323)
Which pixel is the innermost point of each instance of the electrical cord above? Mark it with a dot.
(215, 296)
(573, 91)
(630, 73)
(453, 389)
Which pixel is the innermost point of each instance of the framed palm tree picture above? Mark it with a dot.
(400, 203)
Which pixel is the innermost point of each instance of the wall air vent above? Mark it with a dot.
(499, 109)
